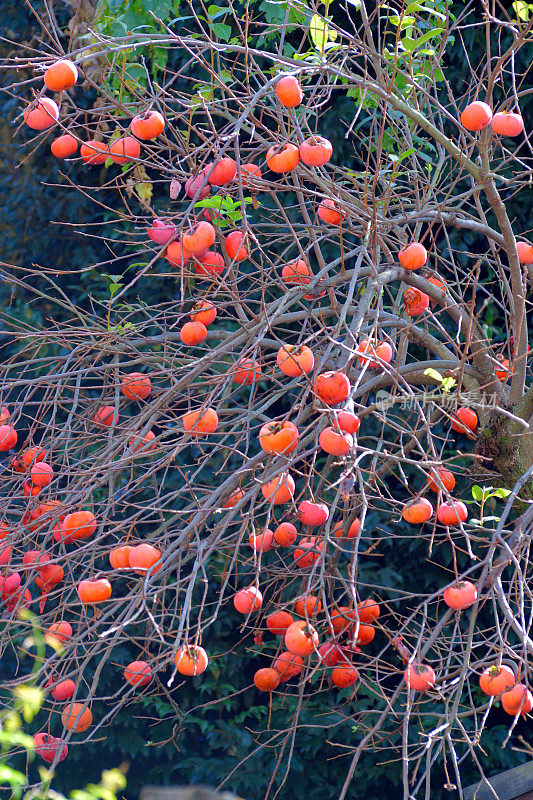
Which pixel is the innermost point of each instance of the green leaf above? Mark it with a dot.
(114, 287)
(501, 493)
(221, 31)
(213, 12)
(434, 374)
(31, 699)
(402, 22)
(412, 44)
(11, 776)
(477, 493)
(448, 384)
(320, 32)
(522, 10)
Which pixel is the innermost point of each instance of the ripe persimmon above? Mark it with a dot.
(203, 311)
(138, 673)
(316, 151)
(41, 115)
(330, 654)
(278, 437)
(261, 541)
(223, 171)
(148, 125)
(250, 175)
(525, 252)
(476, 116)
(296, 273)
(234, 498)
(30, 490)
(119, 557)
(308, 552)
(200, 238)
(248, 600)
(504, 370)
(329, 212)
(161, 231)
(332, 387)
(48, 747)
(103, 417)
(352, 533)
(295, 360)
(191, 660)
(364, 635)
(301, 638)
(201, 422)
(368, 610)
(342, 618)
(234, 245)
(347, 422)
(8, 438)
(41, 473)
(76, 716)
(64, 690)
(517, 700)
(177, 255)
(193, 333)
(278, 622)
(288, 665)
(285, 534)
(61, 630)
(143, 558)
(344, 675)
(210, 264)
(334, 442)
(417, 511)
(93, 592)
(507, 123)
(374, 353)
(282, 158)
(280, 489)
(496, 679)
(32, 455)
(143, 444)
(61, 75)
(289, 91)
(266, 679)
(94, 152)
(64, 146)
(413, 256)
(419, 677)
(198, 185)
(313, 513)
(124, 150)
(452, 513)
(416, 302)
(78, 525)
(308, 606)
(136, 386)
(460, 595)
(464, 420)
(441, 478)
(247, 371)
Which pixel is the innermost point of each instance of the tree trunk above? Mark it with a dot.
(509, 446)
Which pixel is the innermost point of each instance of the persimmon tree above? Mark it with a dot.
(294, 370)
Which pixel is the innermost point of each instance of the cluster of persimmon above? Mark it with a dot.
(312, 636)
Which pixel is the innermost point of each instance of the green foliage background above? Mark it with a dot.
(215, 738)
